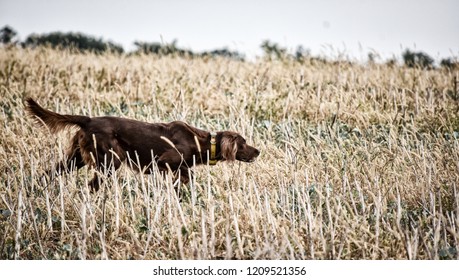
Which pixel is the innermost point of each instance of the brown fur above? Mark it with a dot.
(106, 142)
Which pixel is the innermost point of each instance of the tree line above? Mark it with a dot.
(81, 42)
(411, 59)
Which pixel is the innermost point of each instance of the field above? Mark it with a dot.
(357, 161)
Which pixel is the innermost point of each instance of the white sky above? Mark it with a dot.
(323, 26)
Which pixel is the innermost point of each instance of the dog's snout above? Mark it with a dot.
(257, 152)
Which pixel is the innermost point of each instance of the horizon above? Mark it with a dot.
(326, 28)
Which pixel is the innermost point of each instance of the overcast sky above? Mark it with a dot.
(323, 26)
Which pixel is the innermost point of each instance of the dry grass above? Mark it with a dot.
(358, 162)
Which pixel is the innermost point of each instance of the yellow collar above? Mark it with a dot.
(213, 148)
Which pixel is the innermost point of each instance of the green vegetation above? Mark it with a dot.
(74, 41)
(417, 59)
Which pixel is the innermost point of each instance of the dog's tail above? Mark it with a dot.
(54, 121)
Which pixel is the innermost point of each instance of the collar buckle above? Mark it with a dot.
(213, 148)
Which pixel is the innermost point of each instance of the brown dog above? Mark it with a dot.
(106, 142)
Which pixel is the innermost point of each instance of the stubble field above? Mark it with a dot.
(357, 161)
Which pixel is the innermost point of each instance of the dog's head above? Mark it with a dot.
(234, 147)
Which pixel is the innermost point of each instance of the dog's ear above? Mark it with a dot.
(228, 147)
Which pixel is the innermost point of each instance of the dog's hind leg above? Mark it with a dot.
(106, 165)
(73, 161)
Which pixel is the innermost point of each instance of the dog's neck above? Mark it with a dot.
(210, 150)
